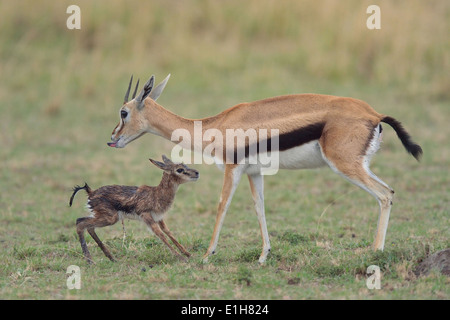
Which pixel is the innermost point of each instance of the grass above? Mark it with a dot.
(60, 94)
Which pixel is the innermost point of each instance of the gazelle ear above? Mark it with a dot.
(160, 165)
(159, 89)
(146, 90)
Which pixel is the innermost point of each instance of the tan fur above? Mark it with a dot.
(285, 113)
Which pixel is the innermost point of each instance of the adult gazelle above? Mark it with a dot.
(312, 130)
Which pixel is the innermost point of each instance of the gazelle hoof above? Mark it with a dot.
(205, 258)
(263, 256)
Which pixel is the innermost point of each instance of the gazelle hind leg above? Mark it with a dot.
(346, 160)
(384, 194)
(366, 180)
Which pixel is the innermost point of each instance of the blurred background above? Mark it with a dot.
(237, 51)
(61, 91)
(219, 54)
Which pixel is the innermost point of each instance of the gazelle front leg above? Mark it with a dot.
(257, 188)
(231, 180)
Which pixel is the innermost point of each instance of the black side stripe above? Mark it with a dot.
(287, 140)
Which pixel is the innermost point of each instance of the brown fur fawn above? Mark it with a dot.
(110, 203)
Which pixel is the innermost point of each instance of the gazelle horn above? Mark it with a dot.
(135, 90)
(125, 100)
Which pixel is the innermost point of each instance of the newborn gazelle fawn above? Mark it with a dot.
(110, 203)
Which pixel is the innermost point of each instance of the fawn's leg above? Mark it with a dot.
(90, 223)
(100, 244)
(166, 230)
(81, 225)
(154, 226)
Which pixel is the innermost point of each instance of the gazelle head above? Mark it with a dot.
(179, 171)
(133, 123)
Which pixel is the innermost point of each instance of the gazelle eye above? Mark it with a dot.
(123, 114)
(180, 170)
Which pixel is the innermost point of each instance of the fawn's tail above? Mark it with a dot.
(78, 188)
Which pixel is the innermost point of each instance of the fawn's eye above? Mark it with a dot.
(123, 114)
(180, 170)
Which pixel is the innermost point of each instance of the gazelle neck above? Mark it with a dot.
(166, 124)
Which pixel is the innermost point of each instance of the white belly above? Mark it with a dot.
(133, 216)
(306, 156)
(128, 215)
(157, 216)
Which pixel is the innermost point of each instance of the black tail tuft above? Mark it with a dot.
(404, 137)
(78, 188)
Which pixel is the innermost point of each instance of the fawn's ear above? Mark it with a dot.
(167, 160)
(160, 165)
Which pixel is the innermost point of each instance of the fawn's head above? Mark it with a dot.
(179, 171)
(134, 114)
